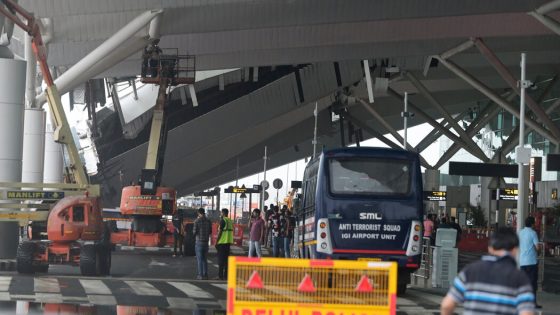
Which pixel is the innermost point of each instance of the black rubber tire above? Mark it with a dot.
(42, 268)
(401, 288)
(24, 257)
(104, 254)
(89, 260)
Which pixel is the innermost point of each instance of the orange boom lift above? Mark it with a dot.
(146, 202)
(76, 234)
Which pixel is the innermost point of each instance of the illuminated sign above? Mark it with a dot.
(435, 195)
(35, 195)
(505, 194)
(241, 190)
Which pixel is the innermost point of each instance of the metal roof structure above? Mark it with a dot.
(329, 39)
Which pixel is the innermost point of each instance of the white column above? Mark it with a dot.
(12, 91)
(53, 158)
(33, 146)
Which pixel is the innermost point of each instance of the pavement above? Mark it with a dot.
(156, 282)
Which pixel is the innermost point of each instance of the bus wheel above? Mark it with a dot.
(401, 288)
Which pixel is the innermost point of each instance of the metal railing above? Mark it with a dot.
(425, 269)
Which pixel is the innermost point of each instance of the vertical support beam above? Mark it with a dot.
(494, 97)
(54, 163)
(192, 93)
(255, 74)
(368, 81)
(12, 92)
(520, 153)
(33, 146)
(512, 82)
(31, 73)
(221, 82)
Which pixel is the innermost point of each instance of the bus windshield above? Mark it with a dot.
(369, 176)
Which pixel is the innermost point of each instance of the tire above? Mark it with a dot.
(104, 254)
(89, 260)
(24, 257)
(42, 268)
(401, 288)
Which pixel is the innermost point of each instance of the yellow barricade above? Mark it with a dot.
(278, 286)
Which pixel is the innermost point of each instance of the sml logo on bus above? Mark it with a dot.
(370, 216)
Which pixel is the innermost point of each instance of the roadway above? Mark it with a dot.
(146, 279)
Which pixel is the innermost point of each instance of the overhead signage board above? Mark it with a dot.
(483, 169)
(435, 195)
(505, 194)
(241, 190)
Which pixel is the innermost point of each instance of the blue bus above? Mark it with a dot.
(363, 203)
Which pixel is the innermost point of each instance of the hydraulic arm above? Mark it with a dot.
(62, 133)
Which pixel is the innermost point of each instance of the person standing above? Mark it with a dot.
(223, 243)
(528, 249)
(291, 224)
(428, 226)
(493, 285)
(457, 227)
(256, 233)
(177, 222)
(201, 231)
(277, 238)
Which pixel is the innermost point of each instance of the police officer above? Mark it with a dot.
(225, 239)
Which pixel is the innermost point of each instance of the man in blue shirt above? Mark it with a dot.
(528, 242)
(492, 285)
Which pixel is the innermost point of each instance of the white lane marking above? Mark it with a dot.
(48, 285)
(94, 287)
(48, 297)
(222, 286)
(5, 283)
(191, 290)
(102, 299)
(181, 303)
(143, 288)
(4, 296)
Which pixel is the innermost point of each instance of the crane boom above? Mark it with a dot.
(62, 132)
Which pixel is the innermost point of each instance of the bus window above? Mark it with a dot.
(369, 176)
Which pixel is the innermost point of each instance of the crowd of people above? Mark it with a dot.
(432, 223)
(272, 228)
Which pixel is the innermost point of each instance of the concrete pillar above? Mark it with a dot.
(33, 146)
(53, 158)
(12, 91)
(486, 203)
